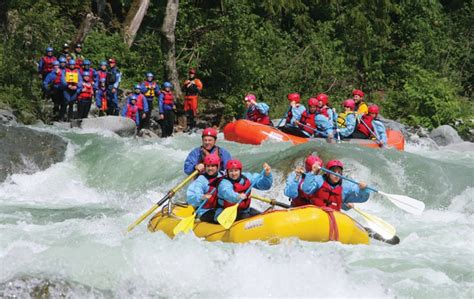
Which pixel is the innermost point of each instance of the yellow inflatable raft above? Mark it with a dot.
(308, 223)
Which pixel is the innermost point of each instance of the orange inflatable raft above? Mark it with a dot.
(248, 132)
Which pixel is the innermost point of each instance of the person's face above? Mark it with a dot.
(233, 173)
(62, 64)
(66, 50)
(347, 108)
(137, 91)
(112, 64)
(50, 53)
(78, 50)
(357, 98)
(312, 109)
(335, 179)
(86, 78)
(150, 78)
(72, 66)
(208, 142)
(133, 101)
(191, 75)
(211, 169)
(103, 67)
(168, 89)
(373, 114)
(247, 104)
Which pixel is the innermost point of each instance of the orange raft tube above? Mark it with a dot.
(248, 132)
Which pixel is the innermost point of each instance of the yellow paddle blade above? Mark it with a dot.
(227, 217)
(378, 225)
(185, 225)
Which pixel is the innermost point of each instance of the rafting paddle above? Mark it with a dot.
(271, 201)
(379, 142)
(168, 195)
(411, 205)
(186, 224)
(386, 230)
(284, 116)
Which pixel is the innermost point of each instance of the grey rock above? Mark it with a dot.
(24, 150)
(394, 125)
(122, 126)
(422, 141)
(445, 135)
(7, 117)
(464, 146)
(147, 134)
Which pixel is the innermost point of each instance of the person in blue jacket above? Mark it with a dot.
(204, 188)
(194, 160)
(236, 188)
(330, 191)
(94, 76)
(113, 81)
(346, 121)
(101, 97)
(53, 87)
(45, 65)
(72, 85)
(296, 179)
(256, 112)
(370, 127)
(294, 115)
(130, 110)
(167, 108)
(150, 90)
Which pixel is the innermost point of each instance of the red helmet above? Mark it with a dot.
(212, 159)
(250, 97)
(323, 98)
(374, 109)
(310, 160)
(209, 132)
(334, 163)
(294, 97)
(349, 103)
(192, 71)
(313, 102)
(233, 164)
(358, 92)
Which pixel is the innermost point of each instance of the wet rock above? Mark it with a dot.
(7, 117)
(445, 135)
(422, 141)
(145, 133)
(122, 126)
(464, 146)
(394, 125)
(24, 150)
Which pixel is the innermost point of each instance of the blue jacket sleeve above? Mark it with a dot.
(124, 110)
(259, 181)
(226, 191)
(312, 183)
(40, 65)
(118, 79)
(324, 127)
(160, 103)
(350, 126)
(380, 131)
(98, 98)
(191, 161)
(297, 111)
(196, 190)
(263, 108)
(143, 88)
(352, 193)
(48, 80)
(145, 105)
(291, 188)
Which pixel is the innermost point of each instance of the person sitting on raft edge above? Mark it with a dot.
(194, 160)
(235, 187)
(296, 179)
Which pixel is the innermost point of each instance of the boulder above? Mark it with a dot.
(24, 150)
(445, 135)
(394, 125)
(464, 146)
(122, 126)
(147, 134)
(7, 117)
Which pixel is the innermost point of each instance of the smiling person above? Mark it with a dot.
(195, 158)
(236, 187)
(331, 191)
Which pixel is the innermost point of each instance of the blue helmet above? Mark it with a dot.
(62, 59)
(49, 49)
(86, 74)
(86, 62)
(149, 74)
(55, 62)
(167, 84)
(103, 62)
(133, 97)
(72, 62)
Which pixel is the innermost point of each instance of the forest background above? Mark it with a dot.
(413, 58)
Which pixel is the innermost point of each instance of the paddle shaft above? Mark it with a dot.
(284, 116)
(370, 130)
(271, 201)
(346, 178)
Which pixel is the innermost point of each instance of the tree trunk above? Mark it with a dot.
(134, 18)
(168, 44)
(86, 26)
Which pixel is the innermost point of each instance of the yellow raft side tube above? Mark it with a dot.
(308, 223)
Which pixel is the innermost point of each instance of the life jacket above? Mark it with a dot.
(213, 183)
(289, 116)
(57, 80)
(323, 111)
(168, 98)
(194, 89)
(72, 76)
(87, 91)
(111, 77)
(361, 108)
(140, 99)
(102, 74)
(132, 111)
(328, 197)
(150, 89)
(367, 119)
(240, 188)
(204, 153)
(341, 119)
(307, 118)
(79, 62)
(257, 116)
(303, 198)
(48, 63)
(103, 99)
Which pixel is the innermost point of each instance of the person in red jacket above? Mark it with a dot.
(167, 108)
(307, 122)
(84, 99)
(191, 88)
(130, 110)
(45, 65)
(256, 112)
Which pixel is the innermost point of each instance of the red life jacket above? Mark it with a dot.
(57, 80)
(258, 117)
(87, 91)
(132, 111)
(168, 98)
(79, 62)
(241, 188)
(323, 111)
(328, 197)
(303, 198)
(307, 118)
(150, 88)
(103, 99)
(212, 202)
(140, 99)
(48, 64)
(102, 75)
(367, 119)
